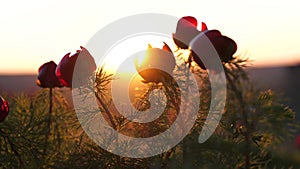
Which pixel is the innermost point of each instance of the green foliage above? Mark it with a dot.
(24, 132)
(254, 131)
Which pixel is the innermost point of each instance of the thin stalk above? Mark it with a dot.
(171, 96)
(107, 111)
(12, 146)
(118, 158)
(49, 120)
(245, 116)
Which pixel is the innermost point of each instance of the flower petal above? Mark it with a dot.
(4, 109)
(203, 26)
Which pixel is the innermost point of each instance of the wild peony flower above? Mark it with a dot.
(186, 30)
(209, 41)
(85, 66)
(157, 65)
(4, 109)
(297, 141)
(47, 77)
(65, 68)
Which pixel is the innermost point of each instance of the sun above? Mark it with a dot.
(124, 53)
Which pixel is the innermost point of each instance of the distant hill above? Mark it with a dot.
(283, 80)
(11, 84)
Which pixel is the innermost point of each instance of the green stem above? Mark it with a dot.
(245, 117)
(49, 120)
(118, 158)
(12, 146)
(106, 111)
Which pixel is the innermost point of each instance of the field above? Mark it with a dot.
(257, 129)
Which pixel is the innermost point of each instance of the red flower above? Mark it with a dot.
(4, 109)
(297, 141)
(85, 65)
(47, 77)
(224, 46)
(64, 70)
(186, 30)
(157, 65)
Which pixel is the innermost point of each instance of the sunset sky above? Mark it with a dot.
(33, 32)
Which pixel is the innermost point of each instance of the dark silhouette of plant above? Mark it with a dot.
(253, 132)
(24, 132)
(48, 79)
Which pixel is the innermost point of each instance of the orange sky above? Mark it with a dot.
(34, 32)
